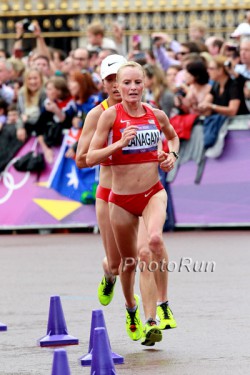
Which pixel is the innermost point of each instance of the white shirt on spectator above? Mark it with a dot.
(242, 70)
(107, 43)
(6, 93)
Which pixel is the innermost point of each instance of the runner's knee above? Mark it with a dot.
(129, 264)
(114, 268)
(111, 266)
(156, 244)
(144, 254)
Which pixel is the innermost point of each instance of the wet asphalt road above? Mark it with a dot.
(211, 308)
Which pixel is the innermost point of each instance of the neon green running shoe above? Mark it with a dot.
(151, 333)
(165, 316)
(134, 326)
(106, 291)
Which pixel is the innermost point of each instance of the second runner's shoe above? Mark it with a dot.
(151, 333)
(165, 316)
(134, 326)
(106, 291)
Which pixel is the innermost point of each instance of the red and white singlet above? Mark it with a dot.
(143, 147)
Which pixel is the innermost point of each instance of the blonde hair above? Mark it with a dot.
(129, 64)
(158, 81)
(96, 28)
(220, 62)
(199, 25)
(31, 98)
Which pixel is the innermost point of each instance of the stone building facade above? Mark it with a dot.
(64, 22)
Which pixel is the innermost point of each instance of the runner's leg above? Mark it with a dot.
(147, 280)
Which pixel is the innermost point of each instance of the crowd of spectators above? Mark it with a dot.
(47, 90)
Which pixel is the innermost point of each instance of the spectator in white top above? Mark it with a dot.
(242, 29)
(6, 92)
(244, 68)
(96, 38)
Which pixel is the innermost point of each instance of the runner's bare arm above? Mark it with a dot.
(173, 141)
(168, 130)
(88, 131)
(97, 151)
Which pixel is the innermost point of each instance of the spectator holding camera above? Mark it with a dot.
(159, 43)
(243, 69)
(229, 49)
(42, 56)
(238, 66)
(224, 97)
(32, 27)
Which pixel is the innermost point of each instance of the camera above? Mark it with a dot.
(228, 64)
(180, 92)
(27, 25)
(231, 48)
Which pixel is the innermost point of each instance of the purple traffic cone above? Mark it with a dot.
(57, 333)
(60, 363)
(102, 363)
(98, 321)
(3, 327)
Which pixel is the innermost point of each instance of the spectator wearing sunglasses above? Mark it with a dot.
(188, 51)
(225, 95)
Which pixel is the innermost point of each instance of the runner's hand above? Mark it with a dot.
(128, 134)
(162, 156)
(168, 164)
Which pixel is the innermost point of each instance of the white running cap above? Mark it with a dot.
(111, 64)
